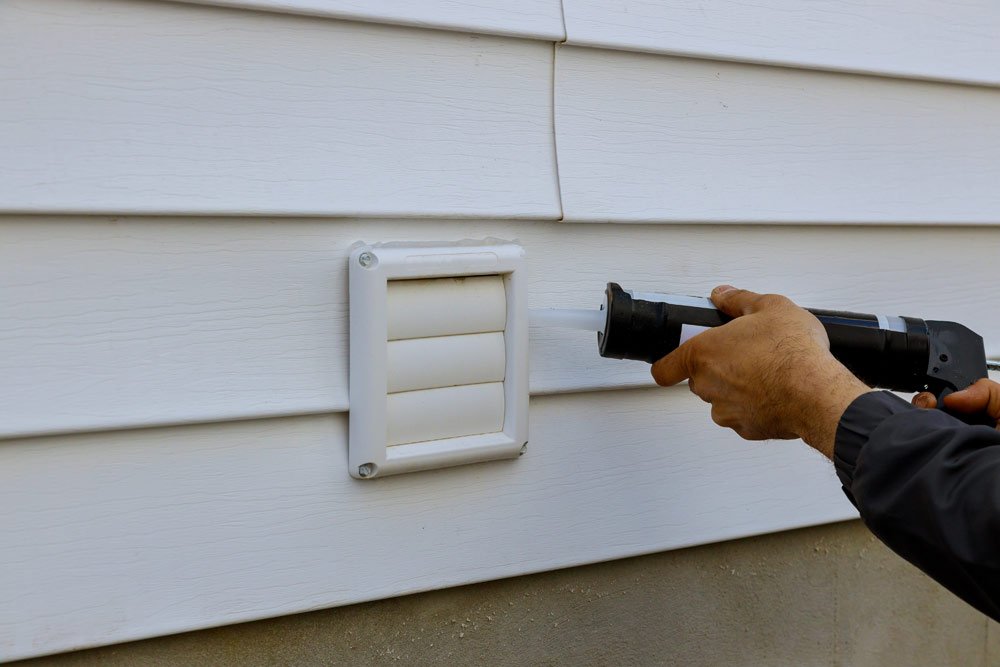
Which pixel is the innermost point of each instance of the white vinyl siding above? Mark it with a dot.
(115, 536)
(647, 138)
(180, 187)
(933, 39)
(538, 19)
(155, 107)
(141, 322)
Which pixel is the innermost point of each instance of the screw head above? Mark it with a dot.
(366, 259)
(366, 469)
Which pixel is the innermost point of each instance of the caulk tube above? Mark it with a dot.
(888, 352)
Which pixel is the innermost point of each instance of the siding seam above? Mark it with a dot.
(555, 136)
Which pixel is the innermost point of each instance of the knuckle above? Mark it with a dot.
(774, 301)
(697, 391)
(690, 352)
(692, 346)
(993, 407)
(750, 433)
(722, 419)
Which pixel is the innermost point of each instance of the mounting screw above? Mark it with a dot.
(366, 469)
(524, 448)
(943, 358)
(366, 259)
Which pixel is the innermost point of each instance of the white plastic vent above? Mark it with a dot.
(439, 360)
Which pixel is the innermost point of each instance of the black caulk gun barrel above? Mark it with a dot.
(898, 353)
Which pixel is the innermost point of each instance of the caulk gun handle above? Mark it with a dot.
(910, 355)
(956, 360)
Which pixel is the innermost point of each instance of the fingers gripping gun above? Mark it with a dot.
(898, 353)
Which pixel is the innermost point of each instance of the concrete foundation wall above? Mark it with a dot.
(830, 595)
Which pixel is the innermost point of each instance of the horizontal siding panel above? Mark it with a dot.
(539, 19)
(112, 323)
(948, 40)
(112, 537)
(647, 138)
(120, 106)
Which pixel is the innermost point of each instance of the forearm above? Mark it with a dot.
(823, 393)
(929, 487)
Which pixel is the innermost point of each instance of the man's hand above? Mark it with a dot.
(768, 373)
(983, 396)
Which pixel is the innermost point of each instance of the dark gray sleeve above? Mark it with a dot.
(928, 486)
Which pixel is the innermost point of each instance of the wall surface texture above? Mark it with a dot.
(180, 187)
(830, 595)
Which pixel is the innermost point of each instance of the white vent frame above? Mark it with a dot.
(371, 268)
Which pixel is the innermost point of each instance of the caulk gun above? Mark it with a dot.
(889, 352)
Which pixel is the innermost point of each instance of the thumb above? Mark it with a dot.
(983, 396)
(734, 302)
(673, 368)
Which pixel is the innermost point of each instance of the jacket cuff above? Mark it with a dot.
(859, 420)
